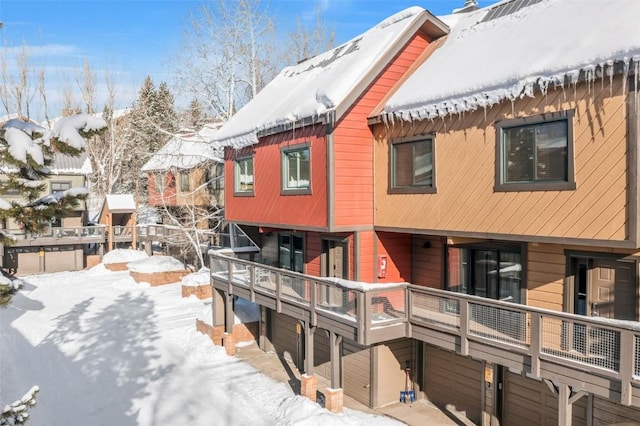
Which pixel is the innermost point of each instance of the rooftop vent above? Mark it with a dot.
(469, 6)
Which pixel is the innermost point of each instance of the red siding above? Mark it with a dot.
(353, 147)
(157, 198)
(397, 248)
(366, 255)
(267, 206)
(313, 250)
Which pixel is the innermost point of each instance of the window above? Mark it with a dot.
(291, 252)
(184, 181)
(60, 186)
(244, 176)
(535, 153)
(412, 167)
(494, 272)
(296, 172)
(159, 182)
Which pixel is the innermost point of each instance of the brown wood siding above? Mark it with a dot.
(454, 380)
(397, 248)
(546, 270)
(353, 142)
(530, 402)
(198, 194)
(465, 171)
(268, 206)
(356, 370)
(427, 261)
(607, 412)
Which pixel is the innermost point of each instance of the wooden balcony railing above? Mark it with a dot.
(64, 235)
(541, 342)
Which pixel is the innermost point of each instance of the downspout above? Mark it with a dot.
(331, 199)
(633, 165)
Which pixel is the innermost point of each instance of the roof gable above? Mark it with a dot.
(491, 55)
(310, 90)
(186, 150)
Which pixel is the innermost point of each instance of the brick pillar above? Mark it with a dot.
(309, 386)
(333, 400)
(217, 334)
(229, 341)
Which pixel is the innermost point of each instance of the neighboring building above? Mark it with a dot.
(187, 173)
(118, 215)
(517, 181)
(492, 153)
(300, 170)
(66, 173)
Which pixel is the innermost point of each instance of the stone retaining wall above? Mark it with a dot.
(116, 266)
(241, 332)
(159, 278)
(202, 291)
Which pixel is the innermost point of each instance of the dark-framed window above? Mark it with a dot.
(493, 271)
(214, 177)
(60, 186)
(412, 166)
(184, 182)
(296, 169)
(291, 252)
(535, 153)
(243, 180)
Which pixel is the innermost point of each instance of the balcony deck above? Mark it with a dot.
(591, 354)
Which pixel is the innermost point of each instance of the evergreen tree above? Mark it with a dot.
(26, 151)
(194, 116)
(165, 110)
(153, 121)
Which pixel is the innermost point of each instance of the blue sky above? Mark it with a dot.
(138, 38)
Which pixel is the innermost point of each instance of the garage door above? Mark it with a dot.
(453, 380)
(321, 354)
(356, 370)
(59, 259)
(606, 412)
(285, 338)
(531, 402)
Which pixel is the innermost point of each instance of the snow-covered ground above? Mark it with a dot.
(105, 350)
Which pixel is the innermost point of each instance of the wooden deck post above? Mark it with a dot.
(110, 230)
(627, 358)
(335, 342)
(464, 327)
(217, 304)
(228, 313)
(536, 342)
(566, 397)
(564, 406)
(309, 332)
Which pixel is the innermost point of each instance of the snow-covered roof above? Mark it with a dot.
(63, 164)
(120, 202)
(186, 150)
(327, 82)
(506, 50)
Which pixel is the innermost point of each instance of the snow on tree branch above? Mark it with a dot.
(17, 412)
(73, 130)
